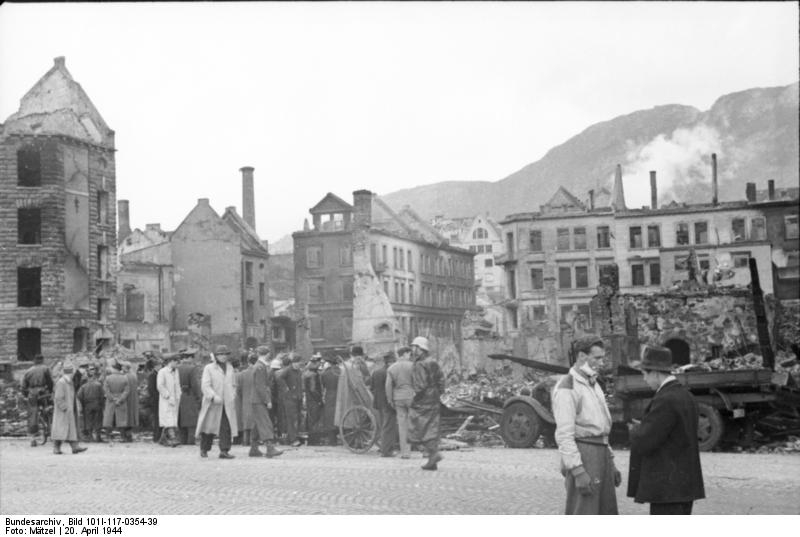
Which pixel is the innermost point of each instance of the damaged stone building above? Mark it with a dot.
(205, 283)
(365, 273)
(57, 222)
(554, 257)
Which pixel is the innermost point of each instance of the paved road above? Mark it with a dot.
(142, 478)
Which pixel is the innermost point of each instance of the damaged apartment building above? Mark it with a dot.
(205, 283)
(57, 222)
(554, 257)
(367, 274)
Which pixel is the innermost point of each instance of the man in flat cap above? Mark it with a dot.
(65, 428)
(400, 394)
(583, 423)
(387, 418)
(665, 455)
(260, 404)
(218, 409)
(312, 388)
(190, 374)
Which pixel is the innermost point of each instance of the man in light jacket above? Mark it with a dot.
(218, 410)
(169, 391)
(65, 428)
(400, 393)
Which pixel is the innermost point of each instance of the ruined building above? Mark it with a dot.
(554, 257)
(205, 283)
(57, 222)
(366, 274)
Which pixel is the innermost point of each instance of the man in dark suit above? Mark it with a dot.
(387, 416)
(665, 456)
(190, 374)
(260, 402)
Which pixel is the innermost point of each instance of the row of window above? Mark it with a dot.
(481, 248)
(29, 342)
(575, 315)
(315, 256)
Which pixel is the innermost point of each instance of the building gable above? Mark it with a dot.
(563, 201)
(203, 222)
(331, 203)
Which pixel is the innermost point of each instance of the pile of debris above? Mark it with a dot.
(478, 430)
(785, 362)
(13, 411)
(790, 445)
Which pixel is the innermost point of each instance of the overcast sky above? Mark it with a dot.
(342, 96)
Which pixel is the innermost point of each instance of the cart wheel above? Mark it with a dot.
(709, 426)
(520, 425)
(359, 429)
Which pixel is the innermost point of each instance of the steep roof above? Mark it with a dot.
(249, 237)
(331, 203)
(57, 105)
(563, 200)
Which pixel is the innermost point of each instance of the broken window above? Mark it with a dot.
(581, 277)
(564, 277)
(134, 306)
(701, 232)
(249, 311)
(737, 230)
(682, 234)
(29, 167)
(262, 294)
(790, 227)
(653, 236)
(317, 328)
(102, 262)
(29, 287)
(579, 236)
(80, 339)
(316, 292)
(740, 259)
(635, 236)
(603, 237)
(562, 238)
(314, 257)
(347, 290)
(102, 207)
(705, 264)
(535, 240)
(29, 343)
(637, 275)
(248, 273)
(537, 278)
(102, 309)
(758, 229)
(655, 273)
(29, 226)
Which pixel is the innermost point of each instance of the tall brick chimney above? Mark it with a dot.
(771, 189)
(362, 208)
(591, 200)
(124, 220)
(618, 199)
(750, 192)
(653, 190)
(714, 190)
(248, 196)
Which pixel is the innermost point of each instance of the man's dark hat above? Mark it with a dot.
(655, 359)
(222, 349)
(389, 357)
(262, 350)
(403, 350)
(357, 350)
(173, 357)
(332, 358)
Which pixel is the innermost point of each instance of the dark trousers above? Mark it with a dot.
(388, 429)
(598, 463)
(676, 508)
(224, 436)
(186, 435)
(291, 417)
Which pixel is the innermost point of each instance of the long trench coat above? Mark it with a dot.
(330, 385)
(116, 389)
(169, 391)
(352, 391)
(190, 376)
(423, 416)
(246, 388)
(221, 384)
(64, 426)
(133, 399)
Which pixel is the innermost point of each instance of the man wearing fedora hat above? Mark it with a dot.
(64, 427)
(312, 388)
(330, 386)
(665, 456)
(218, 409)
(583, 423)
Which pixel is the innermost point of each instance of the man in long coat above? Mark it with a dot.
(400, 394)
(428, 383)
(151, 402)
(290, 397)
(260, 403)
(246, 389)
(37, 382)
(169, 392)
(312, 388)
(387, 417)
(133, 399)
(65, 428)
(275, 412)
(90, 396)
(218, 410)
(116, 390)
(330, 385)
(665, 456)
(190, 374)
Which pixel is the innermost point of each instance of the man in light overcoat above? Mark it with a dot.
(65, 428)
(218, 410)
(169, 392)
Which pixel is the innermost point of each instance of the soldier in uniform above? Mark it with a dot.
(90, 396)
(290, 396)
(312, 388)
(116, 389)
(37, 386)
(428, 383)
(330, 385)
(190, 375)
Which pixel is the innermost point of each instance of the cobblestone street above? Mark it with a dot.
(142, 478)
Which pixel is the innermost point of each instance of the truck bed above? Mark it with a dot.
(699, 380)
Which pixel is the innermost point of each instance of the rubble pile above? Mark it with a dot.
(478, 430)
(790, 445)
(13, 411)
(492, 388)
(784, 362)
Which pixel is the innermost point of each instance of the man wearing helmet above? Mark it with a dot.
(428, 384)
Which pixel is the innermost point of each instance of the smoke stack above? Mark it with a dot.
(653, 190)
(771, 189)
(618, 202)
(750, 192)
(124, 218)
(591, 200)
(248, 197)
(714, 194)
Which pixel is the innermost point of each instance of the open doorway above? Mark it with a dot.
(681, 353)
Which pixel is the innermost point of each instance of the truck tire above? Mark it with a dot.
(710, 426)
(520, 425)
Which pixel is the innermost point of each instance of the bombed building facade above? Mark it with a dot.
(57, 222)
(367, 274)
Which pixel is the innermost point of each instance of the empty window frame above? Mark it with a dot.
(29, 287)
(29, 167)
(758, 229)
(701, 232)
(579, 238)
(655, 273)
(248, 273)
(738, 232)
(29, 226)
(653, 236)
(564, 277)
(537, 278)
(535, 240)
(682, 234)
(603, 237)
(581, 277)
(790, 227)
(637, 275)
(562, 238)
(635, 236)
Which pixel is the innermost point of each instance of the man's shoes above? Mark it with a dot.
(203, 454)
(429, 466)
(297, 443)
(388, 455)
(436, 458)
(57, 451)
(405, 456)
(77, 450)
(255, 453)
(225, 455)
(432, 462)
(272, 451)
(33, 443)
